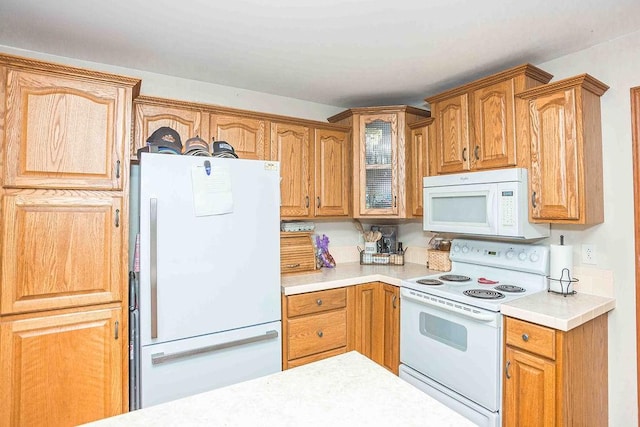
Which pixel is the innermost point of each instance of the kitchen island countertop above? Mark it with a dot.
(344, 390)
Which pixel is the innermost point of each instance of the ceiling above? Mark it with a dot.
(344, 53)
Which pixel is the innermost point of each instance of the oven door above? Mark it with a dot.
(451, 344)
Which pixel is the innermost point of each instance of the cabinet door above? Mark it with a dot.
(187, 122)
(332, 172)
(529, 390)
(418, 163)
(62, 370)
(247, 136)
(62, 132)
(452, 134)
(554, 175)
(61, 249)
(391, 327)
(494, 143)
(290, 145)
(378, 155)
(367, 323)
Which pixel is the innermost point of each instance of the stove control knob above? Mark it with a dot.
(522, 256)
(534, 257)
(510, 254)
(456, 248)
(465, 249)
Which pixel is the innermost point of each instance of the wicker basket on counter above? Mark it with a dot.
(375, 259)
(438, 260)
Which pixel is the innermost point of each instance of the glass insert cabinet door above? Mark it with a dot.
(378, 155)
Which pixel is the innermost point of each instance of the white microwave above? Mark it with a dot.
(487, 203)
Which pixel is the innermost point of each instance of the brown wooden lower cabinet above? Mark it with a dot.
(365, 318)
(555, 378)
(63, 369)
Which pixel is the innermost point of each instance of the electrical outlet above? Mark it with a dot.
(589, 254)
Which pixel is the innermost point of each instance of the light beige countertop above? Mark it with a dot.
(544, 308)
(344, 390)
(351, 273)
(556, 311)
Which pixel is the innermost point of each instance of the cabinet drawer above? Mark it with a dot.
(315, 302)
(314, 334)
(530, 337)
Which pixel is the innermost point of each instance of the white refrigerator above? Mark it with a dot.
(209, 280)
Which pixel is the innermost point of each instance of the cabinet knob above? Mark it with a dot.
(464, 154)
(476, 152)
(318, 202)
(320, 334)
(525, 337)
(393, 301)
(118, 169)
(307, 201)
(506, 370)
(319, 301)
(533, 199)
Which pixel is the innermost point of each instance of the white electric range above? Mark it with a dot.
(450, 334)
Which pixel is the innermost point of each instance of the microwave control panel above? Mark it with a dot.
(507, 207)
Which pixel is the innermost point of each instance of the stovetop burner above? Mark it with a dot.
(430, 282)
(483, 293)
(509, 288)
(455, 278)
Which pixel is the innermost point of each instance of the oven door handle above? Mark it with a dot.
(457, 310)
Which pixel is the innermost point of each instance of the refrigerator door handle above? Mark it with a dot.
(159, 358)
(153, 264)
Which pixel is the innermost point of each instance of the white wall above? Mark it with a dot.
(617, 64)
(190, 90)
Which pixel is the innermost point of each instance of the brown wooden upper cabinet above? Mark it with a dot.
(419, 163)
(247, 132)
(315, 169)
(64, 127)
(565, 176)
(475, 124)
(153, 113)
(379, 158)
(249, 136)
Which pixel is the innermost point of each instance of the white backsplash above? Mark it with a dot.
(594, 281)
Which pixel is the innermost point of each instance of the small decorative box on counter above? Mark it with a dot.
(377, 258)
(296, 252)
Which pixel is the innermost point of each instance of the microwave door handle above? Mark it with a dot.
(492, 207)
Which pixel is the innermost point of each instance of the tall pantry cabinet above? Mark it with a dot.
(63, 310)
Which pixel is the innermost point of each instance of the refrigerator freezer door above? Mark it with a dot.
(212, 272)
(186, 367)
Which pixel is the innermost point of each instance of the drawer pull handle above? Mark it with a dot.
(320, 334)
(319, 301)
(293, 265)
(525, 337)
(506, 370)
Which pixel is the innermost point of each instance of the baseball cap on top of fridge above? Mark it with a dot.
(196, 146)
(223, 149)
(166, 139)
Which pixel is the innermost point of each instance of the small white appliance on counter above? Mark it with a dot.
(491, 203)
(209, 285)
(451, 326)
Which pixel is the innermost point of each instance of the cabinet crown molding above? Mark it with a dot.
(379, 110)
(586, 81)
(526, 70)
(29, 64)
